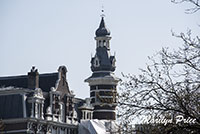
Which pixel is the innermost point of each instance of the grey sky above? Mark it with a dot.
(50, 33)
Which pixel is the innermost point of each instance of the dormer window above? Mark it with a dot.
(37, 104)
(107, 44)
(87, 110)
(96, 62)
(113, 62)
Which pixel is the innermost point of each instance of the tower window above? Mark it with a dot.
(96, 62)
(99, 43)
(104, 43)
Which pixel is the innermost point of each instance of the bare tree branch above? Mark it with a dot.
(168, 86)
(194, 3)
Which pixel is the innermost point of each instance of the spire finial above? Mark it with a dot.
(102, 10)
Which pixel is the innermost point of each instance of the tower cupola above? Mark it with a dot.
(103, 60)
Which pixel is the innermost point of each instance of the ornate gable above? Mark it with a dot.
(62, 84)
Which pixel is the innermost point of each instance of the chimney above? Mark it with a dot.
(33, 78)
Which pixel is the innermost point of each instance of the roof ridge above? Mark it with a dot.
(24, 76)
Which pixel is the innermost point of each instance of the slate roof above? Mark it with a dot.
(103, 75)
(102, 30)
(105, 59)
(11, 106)
(46, 81)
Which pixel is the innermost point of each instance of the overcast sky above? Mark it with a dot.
(50, 33)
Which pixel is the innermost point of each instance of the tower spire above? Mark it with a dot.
(102, 31)
(103, 82)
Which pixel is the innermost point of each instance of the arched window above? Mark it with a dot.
(104, 43)
(99, 44)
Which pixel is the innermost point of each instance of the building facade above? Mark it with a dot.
(44, 104)
(38, 103)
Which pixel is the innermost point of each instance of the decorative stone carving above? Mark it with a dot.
(38, 93)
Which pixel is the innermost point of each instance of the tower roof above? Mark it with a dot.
(102, 30)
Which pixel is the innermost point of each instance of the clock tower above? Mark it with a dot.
(103, 82)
